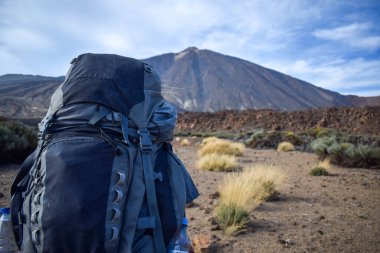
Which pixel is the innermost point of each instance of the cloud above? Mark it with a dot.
(348, 77)
(355, 35)
(307, 39)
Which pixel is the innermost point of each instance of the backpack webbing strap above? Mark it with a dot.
(146, 222)
(146, 150)
(99, 115)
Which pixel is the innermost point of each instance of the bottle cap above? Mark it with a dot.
(5, 210)
(185, 222)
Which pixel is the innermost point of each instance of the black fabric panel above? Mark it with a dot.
(17, 198)
(77, 185)
(112, 80)
(164, 197)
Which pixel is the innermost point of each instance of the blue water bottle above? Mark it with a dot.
(181, 242)
(7, 241)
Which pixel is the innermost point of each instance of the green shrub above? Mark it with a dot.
(322, 168)
(348, 154)
(264, 139)
(346, 145)
(259, 134)
(321, 145)
(292, 138)
(319, 171)
(362, 155)
(17, 141)
(324, 132)
(232, 217)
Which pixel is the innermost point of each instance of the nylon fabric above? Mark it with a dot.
(152, 201)
(104, 176)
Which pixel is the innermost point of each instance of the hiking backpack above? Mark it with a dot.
(104, 177)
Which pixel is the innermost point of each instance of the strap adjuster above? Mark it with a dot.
(145, 140)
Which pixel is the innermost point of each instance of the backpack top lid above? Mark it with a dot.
(117, 82)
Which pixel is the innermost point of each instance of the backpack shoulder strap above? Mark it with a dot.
(19, 186)
(23, 172)
(146, 152)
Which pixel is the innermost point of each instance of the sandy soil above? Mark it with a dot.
(337, 213)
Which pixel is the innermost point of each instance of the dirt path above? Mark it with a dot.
(338, 213)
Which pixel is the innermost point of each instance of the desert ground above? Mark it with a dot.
(336, 213)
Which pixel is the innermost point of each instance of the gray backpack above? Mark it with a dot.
(104, 177)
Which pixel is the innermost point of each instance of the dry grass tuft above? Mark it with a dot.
(322, 168)
(241, 193)
(219, 146)
(217, 162)
(209, 140)
(285, 146)
(185, 143)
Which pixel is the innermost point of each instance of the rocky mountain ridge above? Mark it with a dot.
(194, 80)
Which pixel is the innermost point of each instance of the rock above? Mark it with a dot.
(214, 195)
(216, 227)
(286, 242)
(202, 243)
(289, 242)
(215, 238)
(213, 221)
(1, 195)
(206, 210)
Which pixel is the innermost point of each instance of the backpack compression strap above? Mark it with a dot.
(146, 150)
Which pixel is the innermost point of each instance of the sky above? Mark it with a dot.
(333, 44)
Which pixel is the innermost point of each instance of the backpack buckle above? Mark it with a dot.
(145, 140)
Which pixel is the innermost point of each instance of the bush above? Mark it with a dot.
(321, 145)
(259, 134)
(348, 154)
(217, 162)
(362, 156)
(222, 147)
(292, 138)
(17, 141)
(185, 142)
(231, 217)
(324, 132)
(241, 193)
(209, 140)
(321, 169)
(264, 139)
(285, 147)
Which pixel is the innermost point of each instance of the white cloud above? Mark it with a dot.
(40, 37)
(335, 74)
(355, 35)
(24, 40)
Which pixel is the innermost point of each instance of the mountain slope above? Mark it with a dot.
(202, 80)
(194, 80)
(26, 96)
